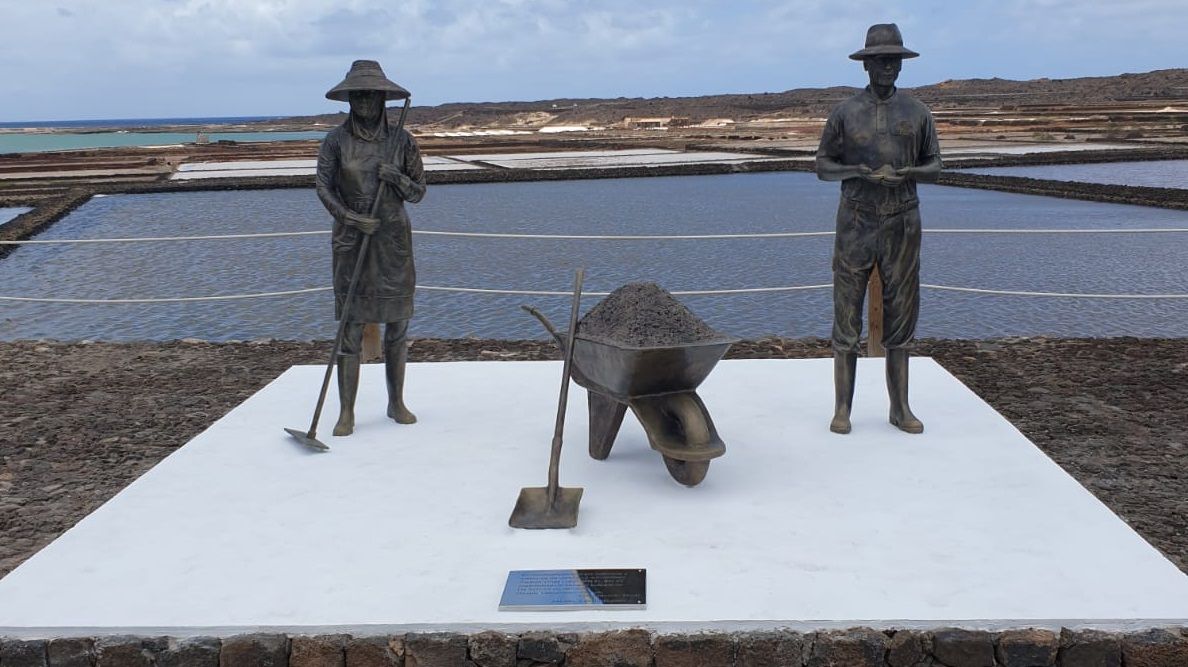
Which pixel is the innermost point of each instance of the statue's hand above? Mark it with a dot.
(867, 174)
(399, 181)
(363, 223)
(390, 174)
(888, 176)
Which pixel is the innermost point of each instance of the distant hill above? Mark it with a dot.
(1160, 85)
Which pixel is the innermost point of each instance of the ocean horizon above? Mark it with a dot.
(29, 137)
(134, 122)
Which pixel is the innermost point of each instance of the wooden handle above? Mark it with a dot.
(563, 400)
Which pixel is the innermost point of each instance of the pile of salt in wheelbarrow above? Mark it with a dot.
(642, 349)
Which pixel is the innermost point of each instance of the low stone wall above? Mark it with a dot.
(859, 647)
(1142, 152)
(490, 175)
(48, 211)
(45, 214)
(1173, 198)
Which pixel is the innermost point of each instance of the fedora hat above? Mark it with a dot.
(366, 75)
(883, 39)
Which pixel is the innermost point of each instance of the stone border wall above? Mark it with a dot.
(1173, 198)
(489, 175)
(49, 211)
(859, 647)
(1142, 152)
(45, 213)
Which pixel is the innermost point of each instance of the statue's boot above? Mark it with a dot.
(845, 365)
(395, 360)
(348, 387)
(897, 389)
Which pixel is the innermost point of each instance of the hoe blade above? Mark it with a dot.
(307, 440)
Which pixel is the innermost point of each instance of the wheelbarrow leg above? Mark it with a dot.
(606, 416)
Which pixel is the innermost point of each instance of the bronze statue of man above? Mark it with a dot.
(353, 161)
(878, 143)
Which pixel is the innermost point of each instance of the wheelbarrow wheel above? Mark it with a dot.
(689, 473)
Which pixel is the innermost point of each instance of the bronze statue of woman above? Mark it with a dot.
(362, 159)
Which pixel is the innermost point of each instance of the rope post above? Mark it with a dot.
(874, 315)
(372, 350)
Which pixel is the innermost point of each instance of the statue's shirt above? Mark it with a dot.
(898, 131)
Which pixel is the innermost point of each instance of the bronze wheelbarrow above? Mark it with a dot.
(659, 385)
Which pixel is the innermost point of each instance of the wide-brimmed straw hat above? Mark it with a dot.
(366, 75)
(883, 39)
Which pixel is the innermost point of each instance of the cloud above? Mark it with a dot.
(209, 57)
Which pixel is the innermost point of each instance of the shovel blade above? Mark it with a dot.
(305, 439)
(534, 511)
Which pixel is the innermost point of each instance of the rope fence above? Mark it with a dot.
(587, 237)
(143, 239)
(514, 292)
(1071, 295)
(641, 237)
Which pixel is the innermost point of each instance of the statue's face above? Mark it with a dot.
(366, 104)
(883, 70)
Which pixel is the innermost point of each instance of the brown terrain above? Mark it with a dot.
(1056, 104)
(1148, 112)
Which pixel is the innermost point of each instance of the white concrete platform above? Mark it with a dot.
(405, 527)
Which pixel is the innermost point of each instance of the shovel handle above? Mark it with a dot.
(555, 454)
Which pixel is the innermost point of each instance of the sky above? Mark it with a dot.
(97, 59)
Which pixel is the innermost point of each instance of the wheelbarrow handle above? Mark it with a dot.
(547, 324)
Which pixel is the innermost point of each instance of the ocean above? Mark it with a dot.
(83, 135)
(135, 122)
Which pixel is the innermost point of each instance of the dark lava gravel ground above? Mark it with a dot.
(78, 422)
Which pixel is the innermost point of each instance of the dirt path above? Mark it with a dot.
(78, 422)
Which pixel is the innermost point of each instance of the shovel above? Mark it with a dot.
(553, 506)
(309, 438)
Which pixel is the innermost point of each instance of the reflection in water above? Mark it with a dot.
(744, 203)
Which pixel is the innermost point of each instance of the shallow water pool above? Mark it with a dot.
(743, 203)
